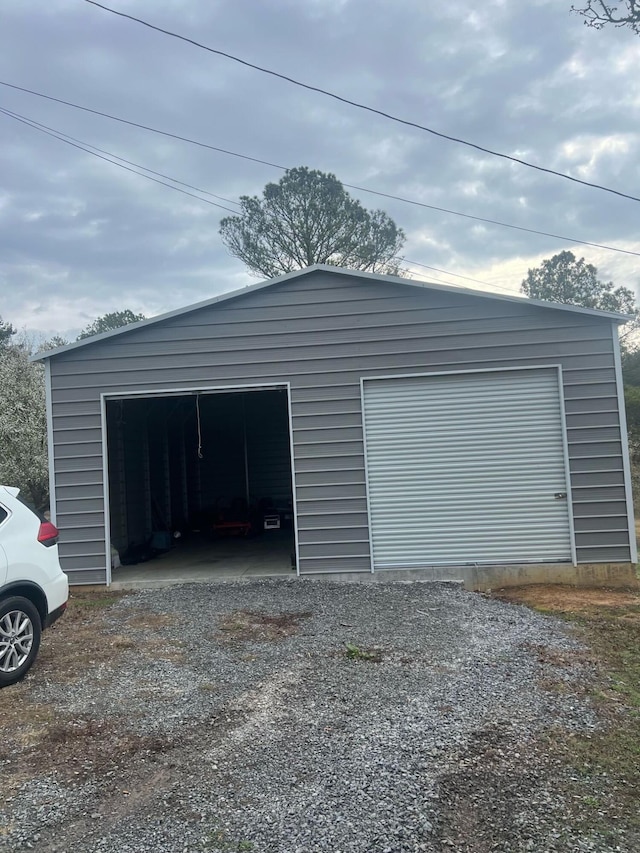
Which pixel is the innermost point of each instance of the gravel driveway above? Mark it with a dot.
(303, 716)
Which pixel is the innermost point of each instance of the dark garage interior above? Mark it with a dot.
(201, 481)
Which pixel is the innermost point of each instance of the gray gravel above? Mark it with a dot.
(288, 744)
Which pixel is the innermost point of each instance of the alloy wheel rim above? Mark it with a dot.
(16, 640)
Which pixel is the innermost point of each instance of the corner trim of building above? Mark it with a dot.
(105, 486)
(48, 397)
(624, 439)
(296, 535)
(567, 468)
(366, 470)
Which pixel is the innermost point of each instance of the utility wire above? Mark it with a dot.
(363, 106)
(81, 147)
(143, 126)
(87, 146)
(37, 124)
(493, 221)
(456, 274)
(402, 199)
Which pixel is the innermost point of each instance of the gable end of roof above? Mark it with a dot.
(389, 279)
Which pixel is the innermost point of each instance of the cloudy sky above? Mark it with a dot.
(80, 237)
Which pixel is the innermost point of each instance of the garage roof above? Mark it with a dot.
(234, 294)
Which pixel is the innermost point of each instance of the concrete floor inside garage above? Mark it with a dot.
(202, 561)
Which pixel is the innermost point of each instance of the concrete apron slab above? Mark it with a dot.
(202, 561)
(479, 578)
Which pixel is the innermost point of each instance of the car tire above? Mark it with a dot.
(20, 632)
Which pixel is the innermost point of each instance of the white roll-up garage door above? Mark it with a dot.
(467, 468)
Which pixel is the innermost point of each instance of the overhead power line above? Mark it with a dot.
(402, 199)
(360, 106)
(38, 125)
(81, 147)
(112, 158)
(456, 274)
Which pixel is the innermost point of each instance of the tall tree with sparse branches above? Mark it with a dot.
(309, 218)
(599, 14)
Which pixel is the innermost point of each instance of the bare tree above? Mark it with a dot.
(599, 14)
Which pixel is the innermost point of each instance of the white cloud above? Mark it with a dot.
(79, 237)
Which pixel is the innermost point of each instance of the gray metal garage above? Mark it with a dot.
(377, 423)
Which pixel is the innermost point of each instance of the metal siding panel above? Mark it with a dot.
(83, 577)
(372, 341)
(600, 509)
(331, 565)
(86, 520)
(449, 473)
(602, 539)
(336, 505)
(266, 366)
(93, 549)
(596, 449)
(343, 490)
(587, 392)
(607, 554)
(329, 450)
(332, 520)
(349, 417)
(596, 479)
(331, 478)
(331, 535)
(81, 421)
(593, 464)
(605, 524)
(77, 450)
(590, 405)
(337, 462)
(79, 492)
(598, 492)
(78, 478)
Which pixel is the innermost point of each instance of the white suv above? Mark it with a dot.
(33, 587)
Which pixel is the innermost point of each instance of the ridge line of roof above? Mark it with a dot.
(251, 288)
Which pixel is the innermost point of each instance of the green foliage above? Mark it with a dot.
(353, 652)
(6, 333)
(109, 322)
(599, 14)
(631, 368)
(632, 405)
(23, 426)
(309, 218)
(564, 279)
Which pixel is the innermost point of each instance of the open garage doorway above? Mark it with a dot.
(200, 485)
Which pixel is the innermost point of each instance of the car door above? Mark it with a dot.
(4, 514)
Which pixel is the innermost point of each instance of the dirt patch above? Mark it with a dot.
(248, 625)
(484, 795)
(568, 599)
(79, 642)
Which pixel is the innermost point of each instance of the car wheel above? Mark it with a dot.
(20, 631)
